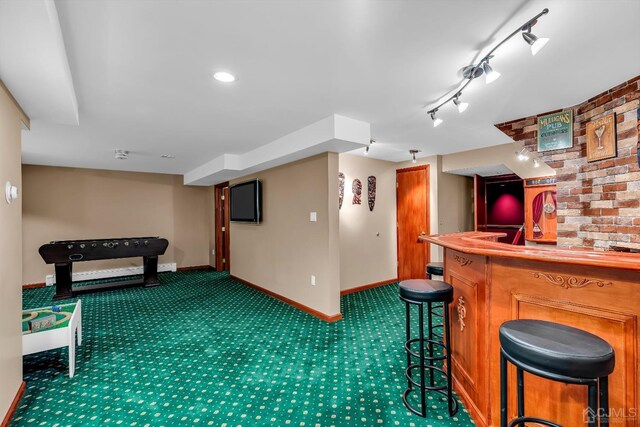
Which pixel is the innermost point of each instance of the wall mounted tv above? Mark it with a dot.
(245, 202)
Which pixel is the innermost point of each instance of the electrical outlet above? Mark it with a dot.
(313, 280)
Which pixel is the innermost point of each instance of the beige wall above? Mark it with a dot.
(283, 252)
(368, 250)
(10, 253)
(455, 203)
(68, 203)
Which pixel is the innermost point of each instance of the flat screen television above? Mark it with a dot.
(245, 202)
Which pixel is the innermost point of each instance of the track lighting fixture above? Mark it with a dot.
(436, 120)
(473, 71)
(461, 105)
(491, 75)
(413, 155)
(536, 43)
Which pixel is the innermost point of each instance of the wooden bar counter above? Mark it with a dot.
(495, 282)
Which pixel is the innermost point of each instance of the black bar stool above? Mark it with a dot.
(435, 269)
(418, 292)
(559, 353)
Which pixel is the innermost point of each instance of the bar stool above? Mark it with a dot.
(435, 269)
(420, 292)
(559, 353)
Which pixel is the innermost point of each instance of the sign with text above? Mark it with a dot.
(555, 131)
(601, 138)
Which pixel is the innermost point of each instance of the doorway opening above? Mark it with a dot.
(412, 216)
(221, 206)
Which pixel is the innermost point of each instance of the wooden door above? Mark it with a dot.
(412, 210)
(222, 227)
(479, 204)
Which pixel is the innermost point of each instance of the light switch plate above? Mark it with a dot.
(313, 216)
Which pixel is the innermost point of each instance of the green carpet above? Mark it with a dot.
(204, 350)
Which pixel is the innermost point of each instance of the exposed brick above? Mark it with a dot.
(623, 91)
(603, 100)
(623, 221)
(628, 230)
(601, 220)
(633, 203)
(610, 212)
(620, 186)
(598, 203)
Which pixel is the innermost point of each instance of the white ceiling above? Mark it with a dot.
(142, 73)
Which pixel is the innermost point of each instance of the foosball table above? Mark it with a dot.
(64, 253)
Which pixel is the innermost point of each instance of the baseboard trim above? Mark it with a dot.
(308, 310)
(195, 267)
(110, 273)
(14, 405)
(34, 285)
(369, 286)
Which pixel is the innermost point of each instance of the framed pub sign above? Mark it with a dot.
(601, 138)
(555, 131)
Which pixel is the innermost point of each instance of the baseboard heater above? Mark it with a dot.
(112, 272)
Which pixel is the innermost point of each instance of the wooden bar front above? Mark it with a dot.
(495, 282)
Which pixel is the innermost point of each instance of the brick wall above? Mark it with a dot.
(598, 202)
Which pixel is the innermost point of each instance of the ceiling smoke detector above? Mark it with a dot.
(122, 154)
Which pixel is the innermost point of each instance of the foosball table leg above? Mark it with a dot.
(150, 271)
(63, 281)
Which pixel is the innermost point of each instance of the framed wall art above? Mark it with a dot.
(555, 131)
(601, 138)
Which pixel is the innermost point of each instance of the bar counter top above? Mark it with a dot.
(482, 243)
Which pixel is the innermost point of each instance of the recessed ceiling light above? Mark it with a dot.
(224, 77)
(168, 156)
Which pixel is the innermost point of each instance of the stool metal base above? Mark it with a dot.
(598, 387)
(427, 362)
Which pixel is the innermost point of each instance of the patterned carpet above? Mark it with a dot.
(204, 350)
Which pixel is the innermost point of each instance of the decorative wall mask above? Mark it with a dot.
(371, 192)
(340, 189)
(356, 187)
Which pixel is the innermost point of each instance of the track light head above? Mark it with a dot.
(536, 43)
(413, 153)
(490, 74)
(523, 155)
(436, 120)
(461, 105)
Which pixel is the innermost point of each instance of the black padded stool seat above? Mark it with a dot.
(424, 290)
(558, 349)
(435, 268)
